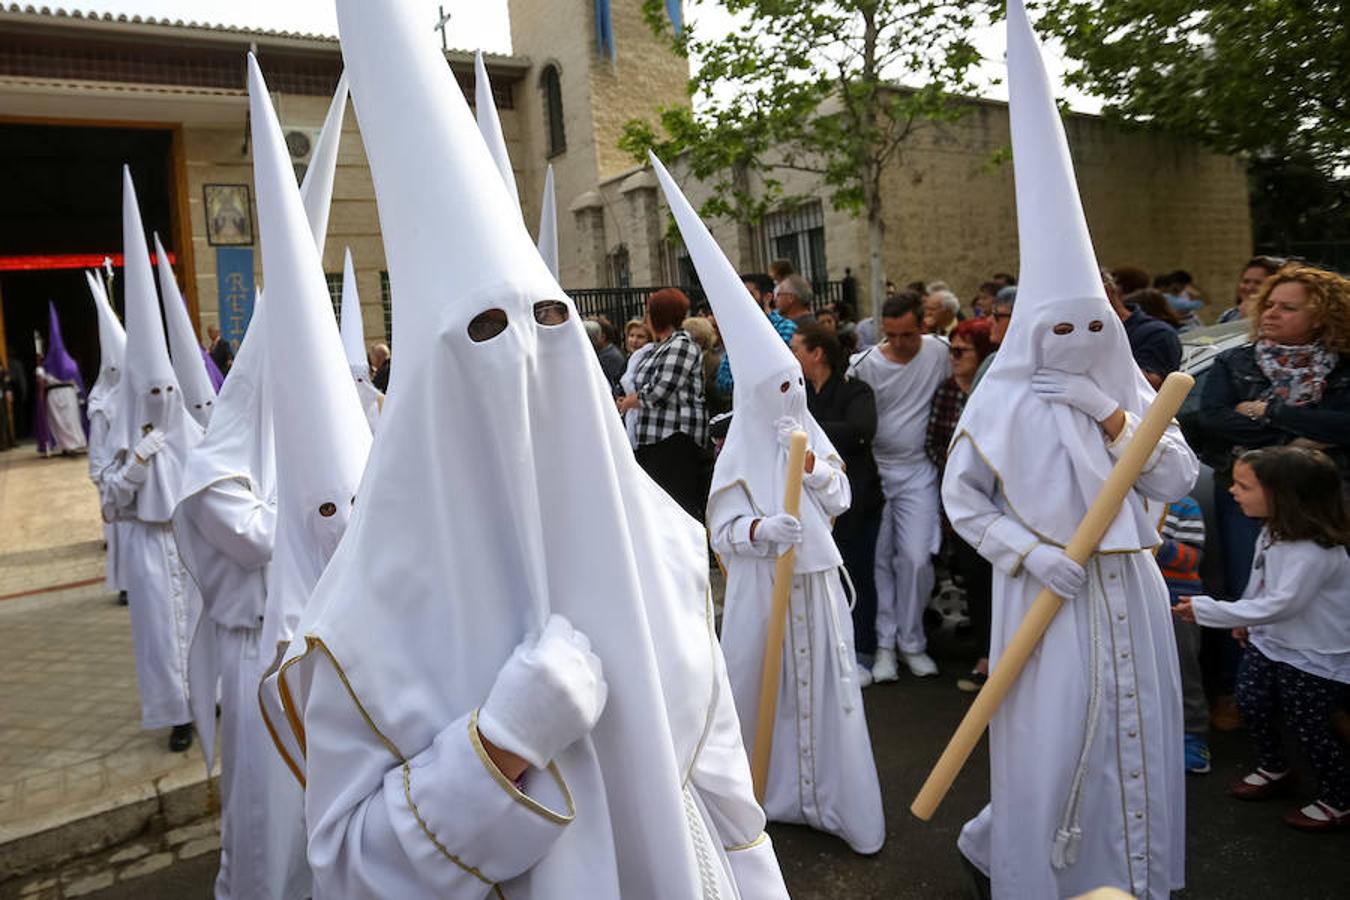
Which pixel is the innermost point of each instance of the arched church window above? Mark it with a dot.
(551, 82)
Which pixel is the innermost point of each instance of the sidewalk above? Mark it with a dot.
(77, 773)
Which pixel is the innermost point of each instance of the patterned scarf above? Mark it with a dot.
(1297, 373)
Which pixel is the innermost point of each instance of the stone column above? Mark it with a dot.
(588, 211)
(647, 221)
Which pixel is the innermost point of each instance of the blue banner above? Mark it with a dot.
(234, 282)
(604, 30)
(676, 14)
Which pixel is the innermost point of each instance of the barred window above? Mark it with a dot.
(334, 280)
(798, 234)
(387, 305)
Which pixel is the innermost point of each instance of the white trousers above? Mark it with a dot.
(911, 532)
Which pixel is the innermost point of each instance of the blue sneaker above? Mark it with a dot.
(1197, 754)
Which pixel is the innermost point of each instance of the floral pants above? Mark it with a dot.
(1265, 689)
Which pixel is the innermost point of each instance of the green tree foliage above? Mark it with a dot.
(1261, 77)
(811, 87)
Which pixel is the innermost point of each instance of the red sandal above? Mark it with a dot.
(1332, 819)
(1262, 785)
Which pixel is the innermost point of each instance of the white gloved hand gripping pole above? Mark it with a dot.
(1028, 635)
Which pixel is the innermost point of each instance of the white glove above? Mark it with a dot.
(547, 696)
(787, 426)
(780, 529)
(149, 445)
(1078, 391)
(1052, 568)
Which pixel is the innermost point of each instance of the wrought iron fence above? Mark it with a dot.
(621, 304)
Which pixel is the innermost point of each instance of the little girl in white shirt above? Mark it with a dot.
(1294, 618)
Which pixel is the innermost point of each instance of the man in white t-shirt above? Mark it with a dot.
(904, 370)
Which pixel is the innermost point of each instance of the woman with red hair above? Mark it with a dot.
(672, 425)
(970, 345)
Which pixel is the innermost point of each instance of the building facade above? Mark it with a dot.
(81, 94)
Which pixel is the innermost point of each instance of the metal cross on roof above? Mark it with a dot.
(442, 20)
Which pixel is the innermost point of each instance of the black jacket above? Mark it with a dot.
(222, 355)
(381, 378)
(1219, 431)
(847, 412)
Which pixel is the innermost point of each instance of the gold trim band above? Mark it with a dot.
(763, 837)
(505, 784)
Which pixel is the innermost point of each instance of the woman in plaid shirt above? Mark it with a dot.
(970, 344)
(672, 425)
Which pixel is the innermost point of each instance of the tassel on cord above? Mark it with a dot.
(1069, 834)
(846, 662)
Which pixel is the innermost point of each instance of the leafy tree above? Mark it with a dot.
(808, 86)
(1264, 78)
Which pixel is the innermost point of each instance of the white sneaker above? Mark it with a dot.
(920, 664)
(884, 667)
(864, 676)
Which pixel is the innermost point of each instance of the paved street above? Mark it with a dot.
(70, 737)
(70, 740)
(1234, 849)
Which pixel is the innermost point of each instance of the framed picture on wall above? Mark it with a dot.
(229, 215)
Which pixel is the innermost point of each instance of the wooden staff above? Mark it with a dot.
(773, 640)
(1028, 635)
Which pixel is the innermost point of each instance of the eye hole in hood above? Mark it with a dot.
(551, 312)
(487, 325)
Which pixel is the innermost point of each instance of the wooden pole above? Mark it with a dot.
(1028, 635)
(773, 639)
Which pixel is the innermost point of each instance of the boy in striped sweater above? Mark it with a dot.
(1183, 540)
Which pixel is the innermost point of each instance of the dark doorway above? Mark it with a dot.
(61, 197)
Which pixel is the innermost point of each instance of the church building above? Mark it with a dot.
(81, 94)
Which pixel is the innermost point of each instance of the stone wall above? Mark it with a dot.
(1150, 200)
(216, 155)
(598, 97)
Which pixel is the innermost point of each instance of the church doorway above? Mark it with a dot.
(60, 214)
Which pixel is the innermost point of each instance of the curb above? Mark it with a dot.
(83, 849)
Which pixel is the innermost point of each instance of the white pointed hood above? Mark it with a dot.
(188, 364)
(321, 434)
(510, 496)
(1049, 458)
(151, 397)
(354, 345)
(316, 190)
(112, 348)
(238, 442)
(769, 385)
(490, 126)
(353, 332)
(548, 226)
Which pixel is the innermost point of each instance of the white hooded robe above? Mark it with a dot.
(1086, 769)
(821, 771)
(163, 599)
(104, 435)
(474, 548)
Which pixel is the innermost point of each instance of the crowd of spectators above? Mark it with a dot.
(889, 394)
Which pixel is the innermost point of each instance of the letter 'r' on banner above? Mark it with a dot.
(234, 284)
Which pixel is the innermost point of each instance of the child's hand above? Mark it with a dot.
(1240, 635)
(1183, 610)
